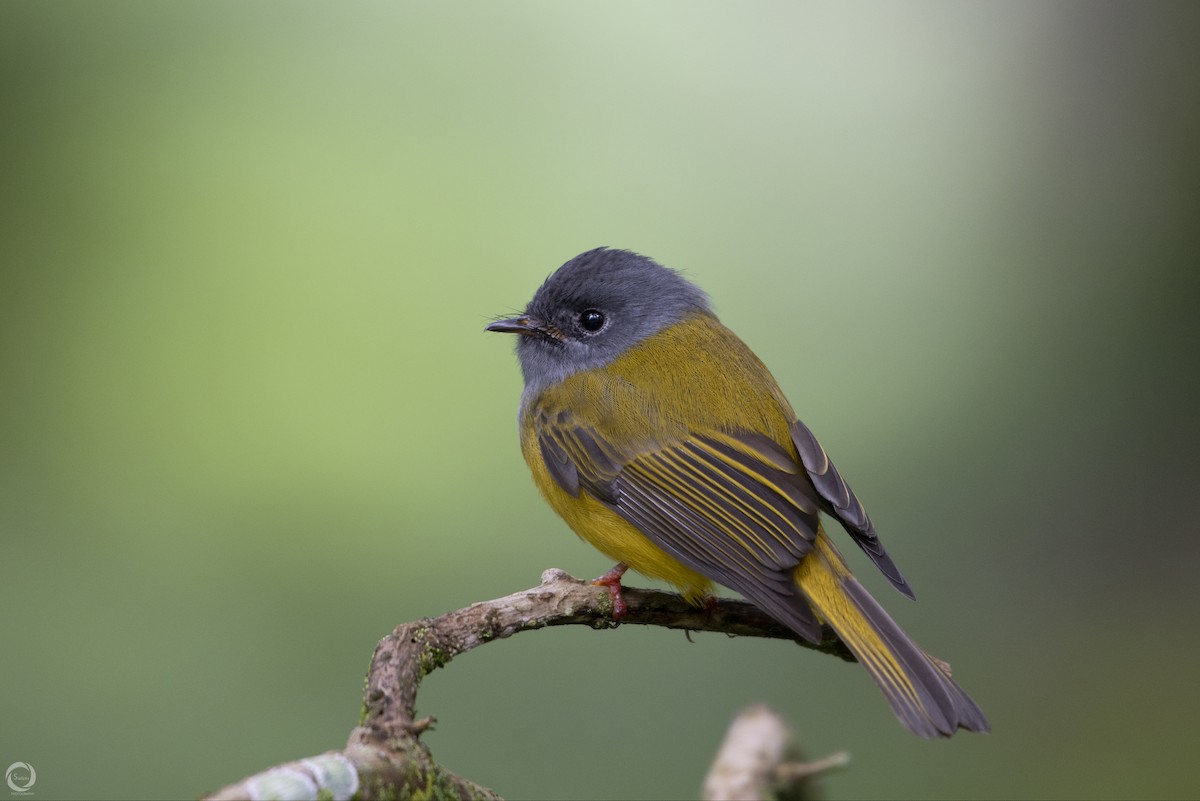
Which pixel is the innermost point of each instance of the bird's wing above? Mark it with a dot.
(735, 507)
(838, 500)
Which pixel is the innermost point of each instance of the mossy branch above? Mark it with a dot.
(385, 757)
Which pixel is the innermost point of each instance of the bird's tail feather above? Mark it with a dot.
(922, 694)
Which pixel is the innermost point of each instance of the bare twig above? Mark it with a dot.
(759, 760)
(385, 756)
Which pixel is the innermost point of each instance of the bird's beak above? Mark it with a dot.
(526, 325)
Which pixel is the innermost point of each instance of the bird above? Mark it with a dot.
(662, 440)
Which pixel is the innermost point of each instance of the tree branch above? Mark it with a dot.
(759, 760)
(385, 756)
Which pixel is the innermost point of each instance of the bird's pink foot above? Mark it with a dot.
(612, 580)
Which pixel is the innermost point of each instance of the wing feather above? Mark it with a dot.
(732, 506)
(838, 500)
(560, 465)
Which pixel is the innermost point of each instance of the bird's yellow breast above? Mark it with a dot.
(693, 376)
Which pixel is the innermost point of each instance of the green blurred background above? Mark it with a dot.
(249, 419)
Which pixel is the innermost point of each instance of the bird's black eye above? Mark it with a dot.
(591, 320)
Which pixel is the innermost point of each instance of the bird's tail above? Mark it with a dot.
(922, 694)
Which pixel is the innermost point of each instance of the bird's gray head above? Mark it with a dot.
(592, 309)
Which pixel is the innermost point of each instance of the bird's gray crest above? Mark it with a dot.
(637, 296)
